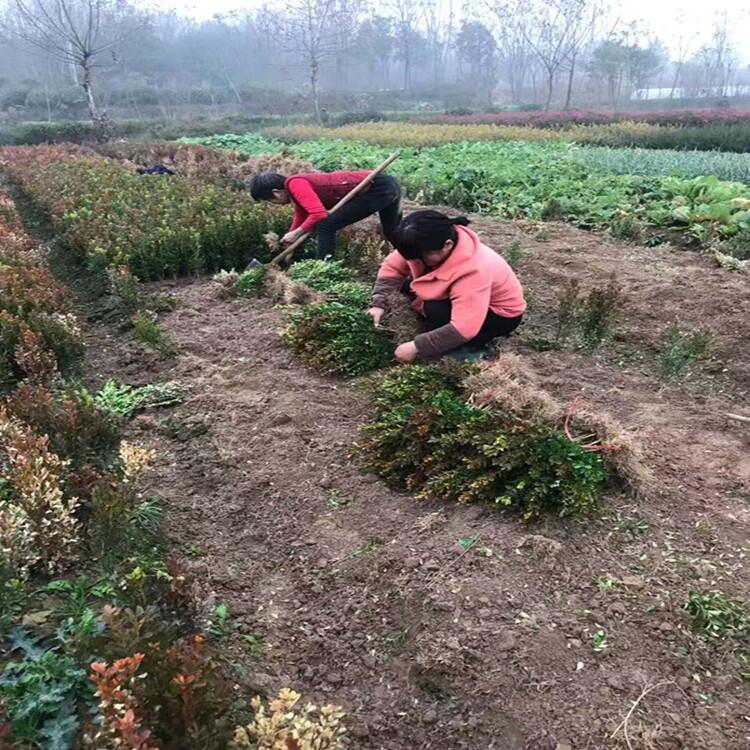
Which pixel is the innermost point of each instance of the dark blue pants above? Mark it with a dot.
(384, 197)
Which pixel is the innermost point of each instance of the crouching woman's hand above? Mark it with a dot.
(406, 353)
(376, 313)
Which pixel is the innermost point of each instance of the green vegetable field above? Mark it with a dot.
(683, 195)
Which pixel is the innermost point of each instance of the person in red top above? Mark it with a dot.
(467, 294)
(314, 193)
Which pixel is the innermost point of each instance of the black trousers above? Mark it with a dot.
(438, 313)
(384, 196)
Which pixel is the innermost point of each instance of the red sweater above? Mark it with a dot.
(315, 192)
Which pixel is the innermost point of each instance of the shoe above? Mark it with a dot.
(468, 354)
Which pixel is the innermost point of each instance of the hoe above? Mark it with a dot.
(286, 255)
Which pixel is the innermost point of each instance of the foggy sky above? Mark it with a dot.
(670, 20)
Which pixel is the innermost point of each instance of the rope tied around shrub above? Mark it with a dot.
(595, 445)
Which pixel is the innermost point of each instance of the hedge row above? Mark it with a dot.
(694, 117)
(83, 131)
(730, 138)
(733, 138)
(70, 503)
(37, 332)
(93, 612)
(159, 226)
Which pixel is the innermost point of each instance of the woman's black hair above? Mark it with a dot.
(424, 232)
(262, 185)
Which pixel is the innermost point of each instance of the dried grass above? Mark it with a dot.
(365, 248)
(508, 382)
(400, 319)
(280, 288)
(201, 162)
(625, 454)
(280, 163)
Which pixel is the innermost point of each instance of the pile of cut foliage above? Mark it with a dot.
(492, 435)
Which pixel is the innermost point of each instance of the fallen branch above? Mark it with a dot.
(626, 721)
(738, 417)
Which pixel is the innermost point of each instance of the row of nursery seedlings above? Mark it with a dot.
(97, 646)
(138, 227)
(109, 215)
(718, 137)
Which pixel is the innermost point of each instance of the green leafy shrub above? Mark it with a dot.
(716, 616)
(337, 339)
(249, 283)
(125, 400)
(587, 321)
(513, 254)
(626, 227)
(121, 527)
(148, 331)
(158, 226)
(426, 436)
(320, 274)
(680, 348)
(127, 290)
(350, 293)
(567, 310)
(334, 280)
(599, 313)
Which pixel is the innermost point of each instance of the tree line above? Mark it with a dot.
(58, 57)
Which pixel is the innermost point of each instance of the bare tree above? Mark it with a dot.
(315, 30)
(437, 35)
(551, 34)
(515, 56)
(584, 18)
(684, 47)
(75, 32)
(718, 59)
(406, 35)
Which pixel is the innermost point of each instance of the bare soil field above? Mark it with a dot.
(449, 627)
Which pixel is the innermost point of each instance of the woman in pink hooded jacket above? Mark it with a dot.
(467, 294)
